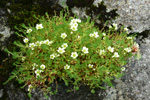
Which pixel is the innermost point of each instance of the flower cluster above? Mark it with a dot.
(39, 43)
(102, 52)
(128, 49)
(95, 34)
(66, 66)
(38, 71)
(74, 24)
(54, 55)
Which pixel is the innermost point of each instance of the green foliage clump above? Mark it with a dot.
(72, 50)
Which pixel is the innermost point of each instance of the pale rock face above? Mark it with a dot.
(96, 2)
(5, 31)
(63, 3)
(131, 12)
(81, 12)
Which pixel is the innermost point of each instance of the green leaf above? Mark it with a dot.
(93, 91)
(76, 88)
(29, 95)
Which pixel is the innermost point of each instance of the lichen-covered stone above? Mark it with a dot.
(135, 13)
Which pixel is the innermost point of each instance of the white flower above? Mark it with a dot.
(90, 66)
(46, 42)
(96, 34)
(104, 34)
(123, 68)
(23, 58)
(42, 42)
(66, 67)
(39, 26)
(111, 49)
(129, 38)
(29, 30)
(85, 50)
(78, 20)
(115, 55)
(107, 72)
(42, 66)
(37, 72)
(29, 87)
(78, 36)
(38, 43)
(74, 28)
(74, 54)
(63, 35)
(34, 65)
(127, 49)
(71, 32)
(32, 45)
(136, 45)
(65, 45)
(91, 35)
(61, 50)
(73, 21)
(26, 40)
(50, 42)
(102, 52)
(52, 56)
(115, 26)
(74, 24)
(110, 26)
(126, 29)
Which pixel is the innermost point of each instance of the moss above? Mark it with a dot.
(1, 35)
(22, 11)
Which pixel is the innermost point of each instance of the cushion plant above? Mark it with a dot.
(72, 50)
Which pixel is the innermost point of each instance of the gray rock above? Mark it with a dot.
(81, 12)
(63, 3)
(1, 93)
(133, 13)
(5, 31)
